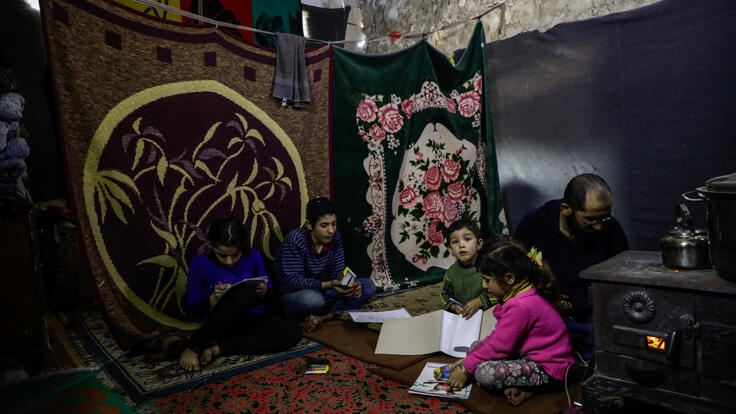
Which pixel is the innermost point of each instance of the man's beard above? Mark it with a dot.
(579, 233)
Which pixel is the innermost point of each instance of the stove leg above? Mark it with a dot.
(597, 402)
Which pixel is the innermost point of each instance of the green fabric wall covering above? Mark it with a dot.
(413, 151)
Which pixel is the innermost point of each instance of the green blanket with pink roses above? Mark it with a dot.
(413, 152)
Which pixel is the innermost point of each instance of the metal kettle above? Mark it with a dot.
(685, 247)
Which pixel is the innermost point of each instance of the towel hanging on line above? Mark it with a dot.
(291, 83)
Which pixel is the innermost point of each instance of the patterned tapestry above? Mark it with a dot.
(413, 152)
(165, 128)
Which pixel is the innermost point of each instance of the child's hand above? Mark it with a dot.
(261, 290)
(458, 376)
(220, 288)
(456, 363)
(352, 291)
(457, 309)
(356, 289)
(470, 308)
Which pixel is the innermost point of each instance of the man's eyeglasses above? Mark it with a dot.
(597, 219)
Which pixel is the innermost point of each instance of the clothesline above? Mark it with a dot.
(394, 35)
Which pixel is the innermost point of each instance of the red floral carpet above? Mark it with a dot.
(348, 387)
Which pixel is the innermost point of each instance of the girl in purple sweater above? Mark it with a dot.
(529, 351)
(236, 322)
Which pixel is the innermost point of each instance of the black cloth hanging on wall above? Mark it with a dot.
(644, 98)
(326, 24)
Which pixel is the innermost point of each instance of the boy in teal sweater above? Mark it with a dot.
(462, 287)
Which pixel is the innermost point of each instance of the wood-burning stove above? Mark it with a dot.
(662, 337)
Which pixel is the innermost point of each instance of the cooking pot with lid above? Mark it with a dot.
(720, 194)
(685, 247)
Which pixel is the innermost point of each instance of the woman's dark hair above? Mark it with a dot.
(229, 232)
(504, 254)
(463, 224)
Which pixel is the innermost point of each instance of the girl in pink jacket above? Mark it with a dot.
(530, 350)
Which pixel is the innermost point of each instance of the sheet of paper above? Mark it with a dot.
(378, 317)
(458, 332)
(412, 336)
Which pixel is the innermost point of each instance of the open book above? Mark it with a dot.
(433, 381)
(437, 331)
(252, 282)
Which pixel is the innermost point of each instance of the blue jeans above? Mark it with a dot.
(316, 302)
(581, 336)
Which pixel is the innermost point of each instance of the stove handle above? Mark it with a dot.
(694, 195)
(687, 332)
(674, 342)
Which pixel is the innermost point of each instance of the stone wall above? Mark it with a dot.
(381, 17)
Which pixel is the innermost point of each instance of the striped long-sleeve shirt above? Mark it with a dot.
(298, 266)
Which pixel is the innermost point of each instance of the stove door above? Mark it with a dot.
(647, 373)
(654, 324)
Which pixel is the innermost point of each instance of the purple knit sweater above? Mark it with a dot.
(526, 324)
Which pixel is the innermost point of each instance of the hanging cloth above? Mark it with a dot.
(291, 83)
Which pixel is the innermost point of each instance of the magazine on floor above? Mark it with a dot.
(433, 381)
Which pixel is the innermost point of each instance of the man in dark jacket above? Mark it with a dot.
(573, 234)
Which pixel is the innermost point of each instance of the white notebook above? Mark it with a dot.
(437, 331)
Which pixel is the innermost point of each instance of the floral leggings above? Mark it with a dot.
(521, 373)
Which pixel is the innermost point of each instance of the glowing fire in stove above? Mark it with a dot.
(655, 342)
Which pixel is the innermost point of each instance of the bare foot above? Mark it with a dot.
(210, 354)
(313, 321)
(516, 396)
(189, 360)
